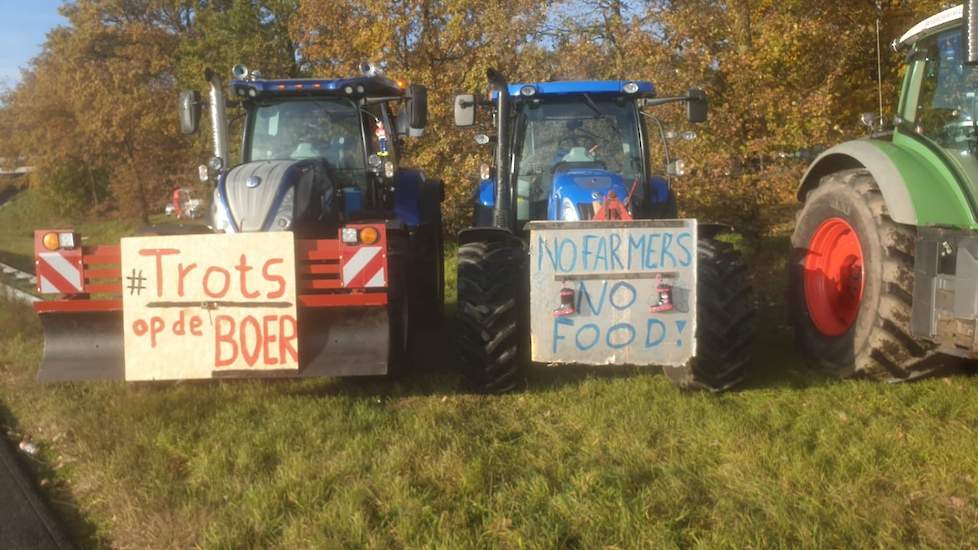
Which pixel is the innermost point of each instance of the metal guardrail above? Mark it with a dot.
(17, 275)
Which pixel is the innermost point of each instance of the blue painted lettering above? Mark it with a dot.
(653, 326)
(542, 248)
(616, 343)
(666, 243)
(564, 245)
(627, 288)
(687, 258)
(582, 293)
(601, 256)
(635, 246)
(558, 321)
(615, 243)
(586, 251)
(650, 262)
(577, 339)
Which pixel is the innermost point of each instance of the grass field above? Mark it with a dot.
(581, 458)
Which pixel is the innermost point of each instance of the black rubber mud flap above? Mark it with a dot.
(82, 346)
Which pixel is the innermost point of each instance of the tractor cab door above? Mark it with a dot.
(939, 110)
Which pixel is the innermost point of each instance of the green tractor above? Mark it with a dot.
(884, 272)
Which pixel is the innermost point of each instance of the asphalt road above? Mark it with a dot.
(25, 521)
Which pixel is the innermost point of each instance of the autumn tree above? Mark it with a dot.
(447, 46)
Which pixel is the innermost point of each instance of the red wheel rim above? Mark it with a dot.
(834, 277)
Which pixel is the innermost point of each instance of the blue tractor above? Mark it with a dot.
(576, 254)
(319, 172)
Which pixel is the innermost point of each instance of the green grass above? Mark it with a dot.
(580, 458)
(27, 212)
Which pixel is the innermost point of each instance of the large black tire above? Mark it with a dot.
(878, 343)
(401, 321)
(725, 321)
(429, 287)
(493, 332)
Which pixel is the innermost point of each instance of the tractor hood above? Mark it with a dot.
(274, 195)
(577, 192)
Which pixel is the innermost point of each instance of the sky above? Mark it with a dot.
(23, 26)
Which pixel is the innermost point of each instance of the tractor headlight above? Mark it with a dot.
(569, 212)
(631, 87)
(283, 216)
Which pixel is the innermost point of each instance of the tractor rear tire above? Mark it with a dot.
(854, 320)
(725, 315)
(493, 332)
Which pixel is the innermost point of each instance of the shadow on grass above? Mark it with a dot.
(22, 262)
(56, 496)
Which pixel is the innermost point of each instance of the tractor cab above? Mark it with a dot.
(314, 152)
(581, 151)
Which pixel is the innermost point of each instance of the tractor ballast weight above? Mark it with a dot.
(319, 187)
(569, 259)
(884, 277)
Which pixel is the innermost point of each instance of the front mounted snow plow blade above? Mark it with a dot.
(333, 342)
(82, 346)
(344, 319)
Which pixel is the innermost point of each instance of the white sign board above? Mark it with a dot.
(613, 293)
(203, 306)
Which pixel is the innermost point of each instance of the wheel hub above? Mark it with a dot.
(834, 277)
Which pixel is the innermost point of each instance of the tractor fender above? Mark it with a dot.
(417, 199)
(871, 156)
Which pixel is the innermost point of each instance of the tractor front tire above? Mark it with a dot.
(725, 327)
(401, 316)
(493, 333)
(851, 284)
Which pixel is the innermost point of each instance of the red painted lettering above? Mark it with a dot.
(268, 338)
(139, 327)
(277, 279)
(250, 344)
(243, 268)
(182, 273)
(155, 327)
(224, 334)
(286, 337)
(159, 253)
(226, 285)
(195, 324)
(179, 327)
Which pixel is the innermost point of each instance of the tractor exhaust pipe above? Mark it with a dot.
(219, 126)
(971, 32)
(503, 192)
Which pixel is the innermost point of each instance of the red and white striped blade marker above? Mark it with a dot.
(363, 267)
(59, 272)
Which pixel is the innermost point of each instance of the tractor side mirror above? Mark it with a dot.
(971, 32)
(465, 110)
(189, 107)
(696, 105)
(418, 109)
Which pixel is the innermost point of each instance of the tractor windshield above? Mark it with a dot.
(299, 129)
(581, 130)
